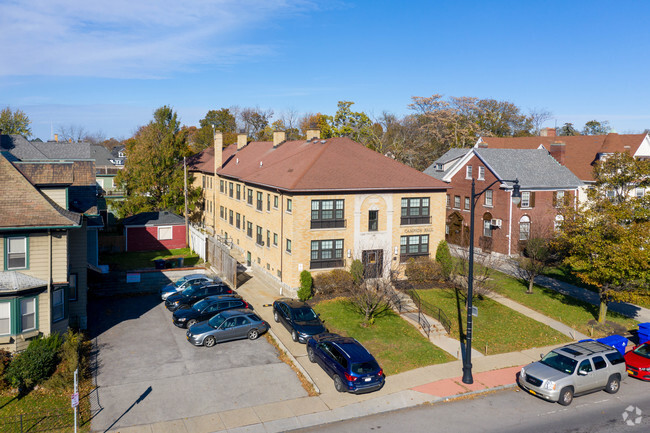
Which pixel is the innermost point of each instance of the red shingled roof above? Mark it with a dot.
(22, 205)
(333, 164)
(580, 151)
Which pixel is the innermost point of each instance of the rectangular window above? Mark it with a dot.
(238, 193)
(327, 254)
(250, 196)
(165, 233)
(268, 202)
(249, 229)
(640, 192)
(73, 287)
(481, 173)
(275, 239)
(289, 205)
(525, 199)
(260, 205)
(221, 186)
(413, 246)
(221, 212)
(27, 314)
(448, 200)
(5, 318)
(268, 238)
(231, 189)
(415, 210)
(468, 172)
(524, 231)
(488, 198)
(58, 305)
(327, 214)
(259, 239)
(275, 201)
(288, 245)
(559, 198)
(466, 203)
(373, 220)
(16, 256)
(456, 202)
(230, 216)
(487, 228)
(238, 220)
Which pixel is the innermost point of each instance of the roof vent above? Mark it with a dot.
(237, 161)
(260, 164)
(323, 141)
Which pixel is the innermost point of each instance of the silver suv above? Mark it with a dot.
(574, 369)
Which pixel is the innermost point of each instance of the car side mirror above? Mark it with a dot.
(582, 373)
(541, 356)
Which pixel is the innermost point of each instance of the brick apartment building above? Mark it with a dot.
(317, 205)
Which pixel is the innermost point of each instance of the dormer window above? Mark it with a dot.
(440, 167)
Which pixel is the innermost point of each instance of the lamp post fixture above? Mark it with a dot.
(516, 196)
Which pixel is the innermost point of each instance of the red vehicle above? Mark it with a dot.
(637, 362)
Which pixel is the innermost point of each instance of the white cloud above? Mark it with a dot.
(131, 38)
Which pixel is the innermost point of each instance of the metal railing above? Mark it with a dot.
(422, 320)
(431, 310)
(37, 422)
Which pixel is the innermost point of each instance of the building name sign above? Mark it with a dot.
(420, 230)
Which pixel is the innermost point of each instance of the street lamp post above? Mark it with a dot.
(467, 360)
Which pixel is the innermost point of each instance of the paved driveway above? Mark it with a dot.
(148, 372)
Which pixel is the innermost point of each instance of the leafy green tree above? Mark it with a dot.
(14, 122)
(352, 124)
(254, 121)
(153, 173)
(537, 255)
(606, 241)
(594, 127)
(567, 130)
(443, 257)
(306, 282)
(502, 119)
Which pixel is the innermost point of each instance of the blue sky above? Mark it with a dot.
(106, 66)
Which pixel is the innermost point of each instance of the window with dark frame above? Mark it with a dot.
(373, 220)
(231, 189)
(275, 201)
(238, 192)
(73, 287)
(288, 245)
(260, 197)
(268, 238)
(327, 214)
(238, 220)
(326, 254)
(268, 202)
(221, 186)
(250, 196)
(413, 246)
(275, 239)
(260, 239)
(415, 210)
(221, 213)
(230, 217)
(448, 201)
(289, 205)
(249, 229)
(58, 304)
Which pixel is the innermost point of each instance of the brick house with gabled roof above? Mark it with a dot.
(317, 204)
(42, 261)
(577, 153)
(500, 226)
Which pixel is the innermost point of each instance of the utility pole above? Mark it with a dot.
(187, 224)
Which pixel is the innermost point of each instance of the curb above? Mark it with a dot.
(471, 393)
(293, 360)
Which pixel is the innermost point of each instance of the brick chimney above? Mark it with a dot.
(56, 137)
(218, 151)
(547, 132)
(558, 151)
(313, 133)
(278, 138)
(242, 140)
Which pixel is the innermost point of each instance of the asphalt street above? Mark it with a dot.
(513, 411)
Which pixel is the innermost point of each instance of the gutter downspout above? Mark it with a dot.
(510, 225)
(281, 237)
(49, 279)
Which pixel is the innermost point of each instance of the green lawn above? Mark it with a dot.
(568, 310)
(144, 260)
(395, 344)
(497, 328)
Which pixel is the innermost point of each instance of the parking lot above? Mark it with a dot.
(148, 372)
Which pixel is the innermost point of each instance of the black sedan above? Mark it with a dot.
(299, 319)
(194, 294)
(206, 308)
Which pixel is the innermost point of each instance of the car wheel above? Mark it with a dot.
(276, 317)
(294, 335)
(566, 396)
(191, 322)
(338, 384)
(209, 341)
(253, 334)
(310, 354)
(613, 384)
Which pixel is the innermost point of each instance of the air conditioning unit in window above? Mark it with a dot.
(495, 222)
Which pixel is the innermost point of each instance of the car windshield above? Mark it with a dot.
(304, 315)
(216, 321)
(364, 367)
(199, 306)
(643, 350)
(560, 362)
(181, 280)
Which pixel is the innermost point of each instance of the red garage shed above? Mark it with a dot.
(152, 231)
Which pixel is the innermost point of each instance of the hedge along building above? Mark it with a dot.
(317, 205)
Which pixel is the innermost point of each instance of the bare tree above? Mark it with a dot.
(484, 263)
(537, 255)
(254, 120)
(371, 293)
(537, 118)
(73, 133)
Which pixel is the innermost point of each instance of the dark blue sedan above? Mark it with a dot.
(346, 361)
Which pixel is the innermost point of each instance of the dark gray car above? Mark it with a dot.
(225, 326)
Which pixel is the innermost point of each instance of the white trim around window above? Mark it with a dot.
(27, 314)
(5, 318)
(165, 233)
